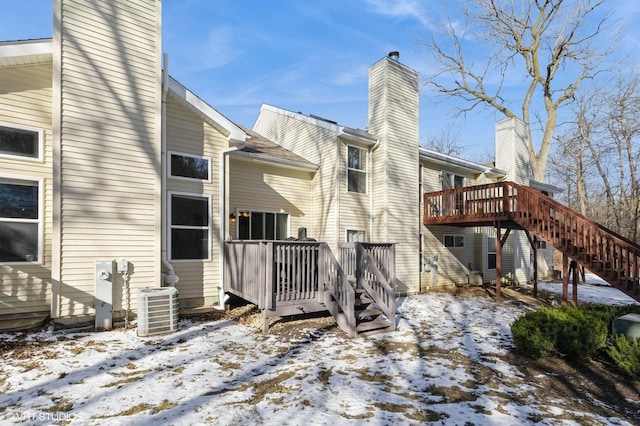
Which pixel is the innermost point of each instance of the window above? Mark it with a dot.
(356, 236)
(253, 225)
(451, 181)
(20, 221)
(356, 169)
(491, 252)
(189, 167)
(454, 241)
(20, 142)
(190, 227)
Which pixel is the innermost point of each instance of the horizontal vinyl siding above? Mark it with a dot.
(110, 146)
(270, 189)
(394, 118)
(187, 133)
(25, 100)
(318, 145)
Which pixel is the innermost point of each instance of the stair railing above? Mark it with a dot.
(335, 281)
(379, 284)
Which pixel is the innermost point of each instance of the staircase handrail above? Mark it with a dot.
(335, 281)
(561, 207)
(381, 291)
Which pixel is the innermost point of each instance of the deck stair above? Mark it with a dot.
(508, 205)
(287, 278)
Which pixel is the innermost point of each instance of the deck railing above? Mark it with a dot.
(290, 276)
(602, 251)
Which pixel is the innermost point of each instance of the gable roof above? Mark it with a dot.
(262, 150)
(455, 163)
(349, 134)
(189, 99)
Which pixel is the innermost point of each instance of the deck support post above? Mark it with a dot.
(498, 262)
(575, 275)
(534, 247)
(565, 280)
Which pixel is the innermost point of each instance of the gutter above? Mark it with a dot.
(170, 278)
(224, 215)
(370, 165)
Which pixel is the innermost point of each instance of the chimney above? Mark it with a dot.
(395, 55)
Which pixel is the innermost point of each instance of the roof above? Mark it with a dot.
(26, 52)
(262, 150)
(210, 114)
(350, 134)
(452, 162)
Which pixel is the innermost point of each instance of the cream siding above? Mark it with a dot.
(260, 187)
(393, 117)
(25, 100)
(109, 149)
(316, 142)
(354, 206)
(188, 133)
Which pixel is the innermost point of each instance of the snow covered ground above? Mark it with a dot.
(444, 365)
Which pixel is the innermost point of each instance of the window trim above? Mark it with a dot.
(364, 170)
(454, 236)
(493, 252)
(237, 212)
(39, 220)
(186, 178)
(170, 226)
(40, 143)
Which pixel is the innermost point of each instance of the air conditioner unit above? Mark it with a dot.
(157, 311)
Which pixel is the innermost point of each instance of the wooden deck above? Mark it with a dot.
(507, 205)
(286, 278)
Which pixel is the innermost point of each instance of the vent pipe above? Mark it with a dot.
(395, 55)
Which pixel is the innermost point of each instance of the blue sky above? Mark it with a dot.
(310, 56)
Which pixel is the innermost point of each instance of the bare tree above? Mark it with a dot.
(446, 142)
(551, 43)
(598, 154)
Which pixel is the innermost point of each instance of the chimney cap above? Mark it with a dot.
(395, 55)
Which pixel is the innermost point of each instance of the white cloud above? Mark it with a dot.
(401, 9)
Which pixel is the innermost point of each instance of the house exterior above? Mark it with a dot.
(104, 157)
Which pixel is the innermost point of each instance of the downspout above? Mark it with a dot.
(170, 278)
(373, 148)
(224, 216)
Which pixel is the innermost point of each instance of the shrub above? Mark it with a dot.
(567, 331)
(625, 353)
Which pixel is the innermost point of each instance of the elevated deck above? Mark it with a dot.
(507, 205)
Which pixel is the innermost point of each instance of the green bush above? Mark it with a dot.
(625, 353)
(567, 331)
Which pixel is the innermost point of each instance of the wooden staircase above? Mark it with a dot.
(365, 305)
(612, 257)
(287, 278)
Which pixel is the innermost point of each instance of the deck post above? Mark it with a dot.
(574, 273)
(498, 262)
(565, 279)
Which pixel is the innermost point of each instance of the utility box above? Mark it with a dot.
(104, 295)
(627, 325)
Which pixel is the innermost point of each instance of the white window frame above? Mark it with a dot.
(239, 212)
(493, 251)
(360, 232)
(38, 131)
(454, 237)
(364, 170)
(184, 154)
(171, 227)
(39, 220)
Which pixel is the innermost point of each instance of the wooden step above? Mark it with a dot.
(369, 313)
(368, 328)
